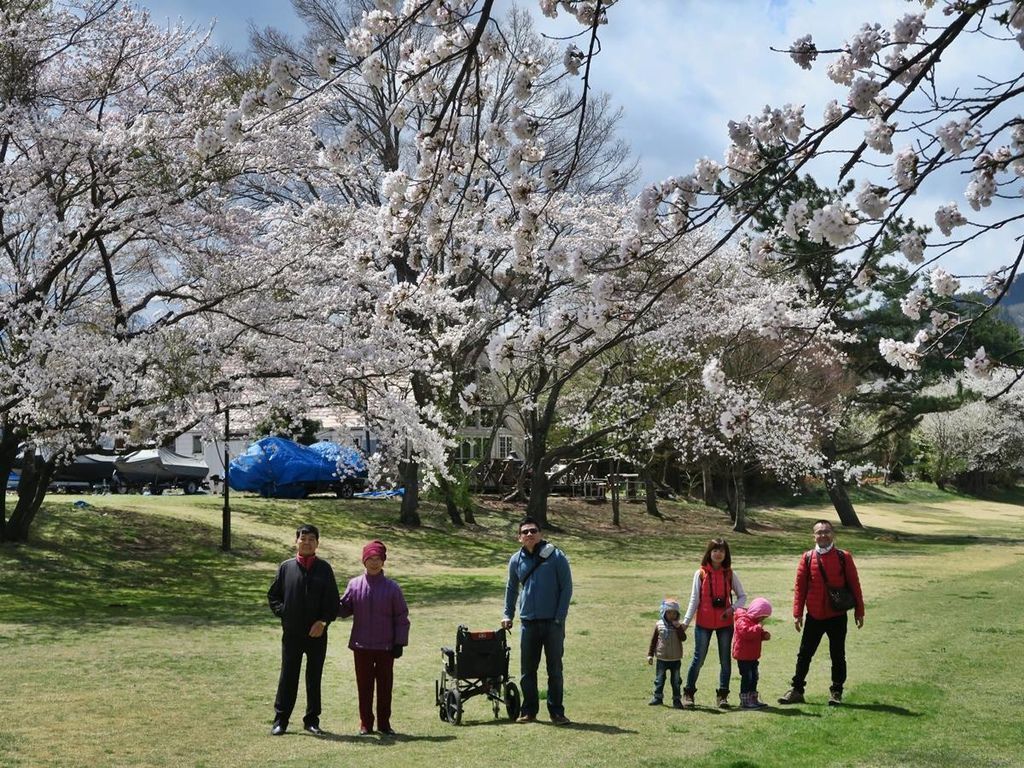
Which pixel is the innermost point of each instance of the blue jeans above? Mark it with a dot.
(536, 635)
(701, 641)
(662, 668)
(748, 675)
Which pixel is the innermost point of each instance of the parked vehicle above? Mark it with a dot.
(280, 468)
(159, 469)
(87, 472)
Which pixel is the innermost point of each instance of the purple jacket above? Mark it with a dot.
(381, 617)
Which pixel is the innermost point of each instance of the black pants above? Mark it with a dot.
(814, 630)
(292, 649)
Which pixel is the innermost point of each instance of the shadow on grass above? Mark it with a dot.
(380, 740)
(85, 568)
(358, 519)
(897, 493)
(885, 709)
(575, 725)
(788, 712)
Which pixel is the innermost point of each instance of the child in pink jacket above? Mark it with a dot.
(746, 648)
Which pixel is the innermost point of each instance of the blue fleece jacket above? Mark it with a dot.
(547, 591)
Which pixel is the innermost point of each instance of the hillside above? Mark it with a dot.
(1013, 303)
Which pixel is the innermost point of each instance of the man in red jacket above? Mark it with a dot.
(819, 569)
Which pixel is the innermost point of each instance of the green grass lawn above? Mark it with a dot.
(128, 639)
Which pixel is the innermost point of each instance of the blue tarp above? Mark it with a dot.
(398, 493)
(283, 469)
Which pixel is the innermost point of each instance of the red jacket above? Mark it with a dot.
(747, 637)
(714, 584)
(810, 591)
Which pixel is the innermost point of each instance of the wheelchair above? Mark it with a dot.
(478, 665)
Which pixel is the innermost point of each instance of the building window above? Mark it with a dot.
(473, 449)
(197, 444)
(504, 446)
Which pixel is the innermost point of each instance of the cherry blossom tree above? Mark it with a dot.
(443, 55)
(440, 225)
(980, 440)
(894, 135)
(114, 239)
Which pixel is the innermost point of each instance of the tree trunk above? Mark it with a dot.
(739, 494)
(409, 471)
(448, 492)
(35, 477)
(613, 483)
(835, 484)
(537, 505)
(841, 501)
(651, 495)
(730, 497)
(709, 484)
(8, 452)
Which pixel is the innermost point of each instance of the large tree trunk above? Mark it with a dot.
(651, 494)
(739, 500)
(409, 471)
(841, 501)
(537, 506)
(35, 477)
(8, 452)
(835, 484)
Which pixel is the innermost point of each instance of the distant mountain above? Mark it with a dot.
(1013, 303)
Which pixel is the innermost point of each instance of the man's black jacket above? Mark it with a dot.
(301, 598)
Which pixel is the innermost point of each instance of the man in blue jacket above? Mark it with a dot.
(540, 579)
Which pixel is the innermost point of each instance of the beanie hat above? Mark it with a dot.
(669, 604)
(759, 607)
(375, 548)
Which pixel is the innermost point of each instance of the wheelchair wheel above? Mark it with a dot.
(452, 706)
(512, 702)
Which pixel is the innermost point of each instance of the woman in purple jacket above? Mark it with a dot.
(380, 631)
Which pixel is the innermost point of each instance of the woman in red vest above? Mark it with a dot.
(712, 603)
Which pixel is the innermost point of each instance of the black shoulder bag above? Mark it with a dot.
(841, 598)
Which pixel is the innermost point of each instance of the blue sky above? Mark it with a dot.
(681, 69)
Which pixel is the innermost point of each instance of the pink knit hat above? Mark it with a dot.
(759, 607)
(377, 548)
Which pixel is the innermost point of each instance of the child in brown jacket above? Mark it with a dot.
(667, 648)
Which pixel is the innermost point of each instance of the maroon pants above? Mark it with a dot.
(374, 667)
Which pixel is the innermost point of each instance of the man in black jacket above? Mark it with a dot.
(305, 597)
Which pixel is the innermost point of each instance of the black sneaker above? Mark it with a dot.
(654, 703)
(835, 698)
